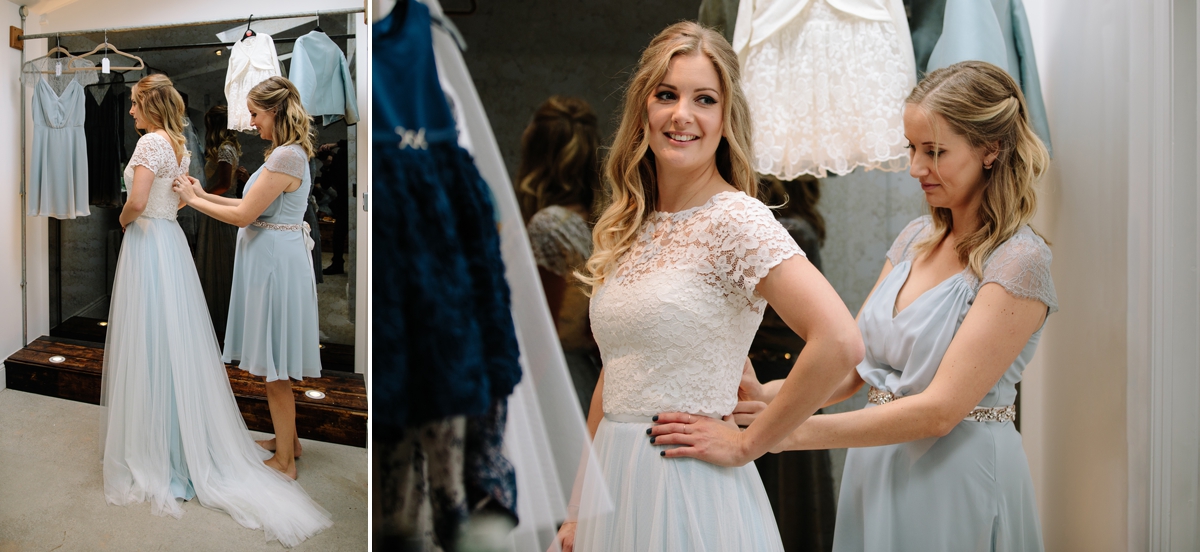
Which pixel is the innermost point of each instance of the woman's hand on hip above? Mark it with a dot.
(566, 537)
(714, 441)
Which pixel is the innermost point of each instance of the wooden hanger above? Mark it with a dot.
(67, 57)
(110, 48)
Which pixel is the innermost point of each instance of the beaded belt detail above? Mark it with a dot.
(302, 227)
(980, 414)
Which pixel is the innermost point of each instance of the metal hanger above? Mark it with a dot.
(318, 29)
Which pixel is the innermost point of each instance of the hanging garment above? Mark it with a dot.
(273, 321)
(970, 489)
(172, 429)
(826, 82)
(444, 320)
(58, 170)
(252, 61)
(105, 108)
(215, 244)
(996, 32)
(322, 75)
(545, 438)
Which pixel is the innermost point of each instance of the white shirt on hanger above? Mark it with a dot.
(252, 61)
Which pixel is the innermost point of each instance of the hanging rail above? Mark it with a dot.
(212, 44)
(193, 23)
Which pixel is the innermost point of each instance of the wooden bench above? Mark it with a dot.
(340, 417)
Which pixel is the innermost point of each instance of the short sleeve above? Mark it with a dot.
(289, 160)
(749, 243)
(1021, 266)
(560, 239)
(901, 249)
(227, 154)
(149, 153)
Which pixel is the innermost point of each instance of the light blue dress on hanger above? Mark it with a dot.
(273, 327)
(971, 489)
(58, 170)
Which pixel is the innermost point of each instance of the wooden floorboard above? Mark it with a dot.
(340, 417)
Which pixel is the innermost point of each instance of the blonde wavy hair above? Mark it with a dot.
(162, 106)
(982, 103)
(216, 123)
(629, 170)
(560, 160)
(293, 125)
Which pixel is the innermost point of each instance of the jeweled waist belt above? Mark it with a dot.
(980, 414)
(302, 227)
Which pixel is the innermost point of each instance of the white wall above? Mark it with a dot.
(10, 201)
(71, 15)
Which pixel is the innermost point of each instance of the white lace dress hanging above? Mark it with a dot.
(826, 82)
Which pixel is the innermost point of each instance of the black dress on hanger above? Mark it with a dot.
(105, 107)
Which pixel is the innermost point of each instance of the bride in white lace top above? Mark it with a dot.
(685, 261)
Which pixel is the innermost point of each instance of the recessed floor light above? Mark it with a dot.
(58, 359)
(314, 394)
(102, 323)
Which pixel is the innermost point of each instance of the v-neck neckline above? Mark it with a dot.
(58, 96)
(896, 312)
(179, 163)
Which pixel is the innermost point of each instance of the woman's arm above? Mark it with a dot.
(268, 187)
(833, 347)
(994, 332)
(222, 180)
(596, 410)
(139, 194)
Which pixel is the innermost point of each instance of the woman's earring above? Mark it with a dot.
(987, 167)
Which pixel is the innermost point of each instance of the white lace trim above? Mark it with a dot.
(676, 320)
(1020, 265)
(827, 94)
(155, 153)
(32, 72)
(289, 160)
(251, 61)
(560, 238)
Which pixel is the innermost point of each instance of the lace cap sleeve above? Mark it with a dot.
(901, 249)
(149, 153)
(750, 243)
(1022, 266)
(289, 160)
(226, 153)
(561, 240)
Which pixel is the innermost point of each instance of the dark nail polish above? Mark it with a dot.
(648, 430)
(652, 440)
(663, 453)
(655, 418)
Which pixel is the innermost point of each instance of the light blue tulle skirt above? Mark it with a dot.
(672, 504)
(171, 428)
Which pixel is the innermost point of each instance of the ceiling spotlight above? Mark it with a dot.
(218, 51)
(314, 394)
(58, 359)
(320, 345)
(102, 324)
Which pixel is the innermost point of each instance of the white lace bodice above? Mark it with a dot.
(155, 153)
(675, 320)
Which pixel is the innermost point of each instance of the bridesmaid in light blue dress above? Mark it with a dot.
(272, 326)
(935, 462)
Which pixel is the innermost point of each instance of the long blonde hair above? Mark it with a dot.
(292, 123)
(982, 103)
(560, 160)
(162, 106)
(629, 170)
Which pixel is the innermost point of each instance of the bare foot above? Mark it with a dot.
(269, 444)
(289, 470)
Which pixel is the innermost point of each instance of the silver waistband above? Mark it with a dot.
(979, 414)
(277, 226)
(636, 418)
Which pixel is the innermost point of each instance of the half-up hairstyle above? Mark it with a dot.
(216, 133)
(982, 103)
(629, 171)
(292, 123)
(560, 163)
(162, 106)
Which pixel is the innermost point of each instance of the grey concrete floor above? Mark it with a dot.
(52, 494)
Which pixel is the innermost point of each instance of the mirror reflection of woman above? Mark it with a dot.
(272, 328)
(216, 240)
(685, 260)
(935, 462)
(556, 182)
(172, 430)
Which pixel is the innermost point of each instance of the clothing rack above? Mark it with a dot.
(213, 44)
(194, 23)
